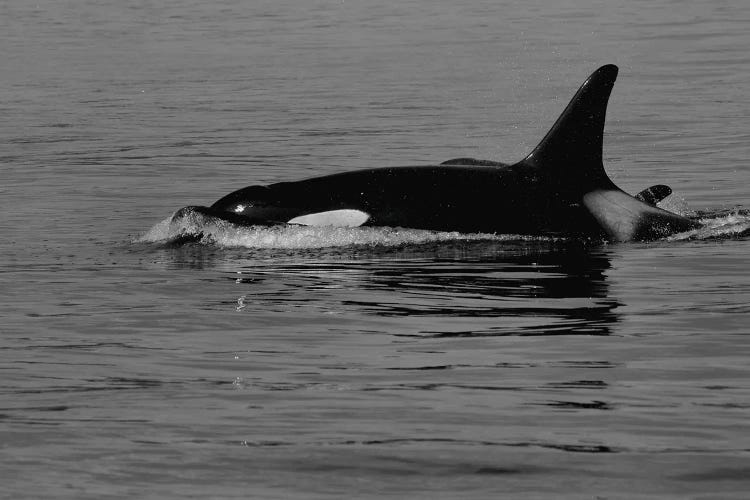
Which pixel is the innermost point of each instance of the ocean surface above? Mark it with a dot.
(312, 363)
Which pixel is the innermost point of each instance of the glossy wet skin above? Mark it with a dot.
(559, 189)
(444, 197)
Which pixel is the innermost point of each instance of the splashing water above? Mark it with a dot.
(194, 226)
(197, 227)
(675, 204)
(718, 225)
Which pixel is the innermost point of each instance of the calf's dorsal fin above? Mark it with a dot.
(474, 162)
(654, 194)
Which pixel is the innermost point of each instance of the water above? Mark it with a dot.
(312, 363)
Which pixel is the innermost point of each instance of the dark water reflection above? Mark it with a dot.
(512, 288)
(506, 284)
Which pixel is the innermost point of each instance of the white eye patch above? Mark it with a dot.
(338, 218)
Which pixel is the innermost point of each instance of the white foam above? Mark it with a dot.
(187, 224)
(716, 227)
(211, 230)
(215, 231)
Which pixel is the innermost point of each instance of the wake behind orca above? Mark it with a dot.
(559, 189)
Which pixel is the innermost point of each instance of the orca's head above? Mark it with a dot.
(242, 201)
(254, 205)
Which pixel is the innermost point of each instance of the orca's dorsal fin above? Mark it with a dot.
(575, 140)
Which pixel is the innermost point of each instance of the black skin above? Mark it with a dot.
(465, 194)
(465, 198)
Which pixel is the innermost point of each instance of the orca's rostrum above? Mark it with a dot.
(559, 189)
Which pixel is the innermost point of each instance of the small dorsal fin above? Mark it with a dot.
(654, 194)
(474, 161)
(575, 140)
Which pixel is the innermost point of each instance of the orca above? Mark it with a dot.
(559, 189)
